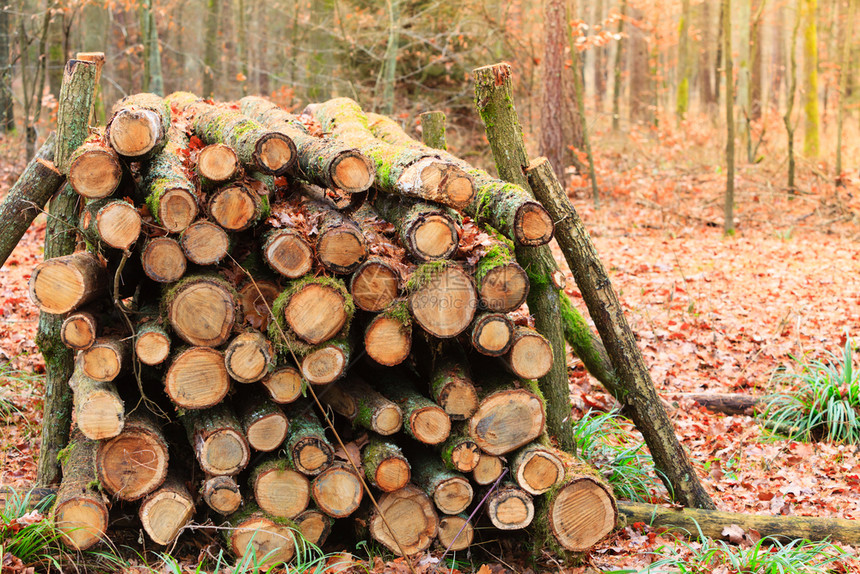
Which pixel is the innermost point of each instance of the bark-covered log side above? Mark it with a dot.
(26, 198)
(307, 447)
(172, 195)
(504, 206)
(360, 403)
(450, 491)
(400, 170)
(99, 410)
(433, 128)
(323, 161)
(452, 388)
(73, 110)
(636, 391)
(59, 360)
(423, 420)
(586, 345)
(494, 100)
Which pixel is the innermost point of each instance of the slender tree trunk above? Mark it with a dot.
(599, 70)
(844, 75)
(57, 55)
(263, 80)
(579, 99)
(389, 70)
(211, 55)
(741, 22)
(641, 90)
(792, 91)
(619, 68)
(756, 60)
(682, 99)
(729, 207)
(7, 111)
(242, 46)
(706, 78)
(810, 78)
(778, 62)
(718, 60)
(152, 78)
(552, 143)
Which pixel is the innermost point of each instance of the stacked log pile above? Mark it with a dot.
(273, 313)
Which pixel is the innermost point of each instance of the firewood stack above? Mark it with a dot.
(233, 255)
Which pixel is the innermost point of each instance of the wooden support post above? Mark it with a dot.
(433, 130)
(493, 97)
(635, 390)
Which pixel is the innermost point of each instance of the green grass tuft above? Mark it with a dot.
(606, 441)
(821, 400)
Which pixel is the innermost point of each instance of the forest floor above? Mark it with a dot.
(711, 313)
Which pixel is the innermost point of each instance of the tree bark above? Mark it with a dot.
(493, 91)
(7, 112)
(618, 69)
(552, 144)
(845, 72)
(636, 390)
(729, 203)
(810, 78)
(81, 510)
(790, 97)
(211, 57)
(433, 130)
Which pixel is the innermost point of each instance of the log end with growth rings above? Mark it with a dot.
(163, 260)
(204, 243)
(411, 516)
(275, 154)
(218, 163)
(374, 285)
(532, 224)
(581, 513)
(95, 174)
(177, 209)
(135, 133)
(197, 378)
(444, 300)
(352, 172)
(288, 253)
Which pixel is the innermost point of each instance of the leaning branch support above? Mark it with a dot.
(635, 389)
(712, 522)
(76, 97)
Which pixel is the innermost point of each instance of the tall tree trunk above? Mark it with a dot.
(211, 54)
(844, 74)
(57, 55)
(778, 63)
(682, 99)
(641, 89)
(619, 68)
(729, 207)
(741, 21)
(706, 78)
(32, 88)
(792, 91)
(7, 111)
(599, 71)
(718, 60)
(156, 80)
(552, 144)
(810, 78)
(242, 46)
(573, 123)
(389, 69)
(756, 60)
(263, 79)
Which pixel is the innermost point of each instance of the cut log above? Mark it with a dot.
(337, 491)
(204, 242)
(221, 494)
(284, 384)
(388, 336)
(27, 197)
(172, 198)
(268, 151)
(362, 405)
(507, 417)
(410, 523)
(510, 507)
(138, 126)
(492, 334)
(450, 491)
(133, 463)
(288, 253)
(110, 223)
(217, 164)
(257, 298)
(326, 363)
(307, 447)
(504, 206)
(99, 410)
(197, 378)
(324, 161)
(249, 356)
(537, 468)
(280, 490)
(73, 108)
(488, 469)
(399, 169)
(530, 355)
(81, 511)
(151, 342)
(313, 309)
(456, 533)
(105, 359)
(385, 466)
(202, 310)
(95, 170)
(374, 285)
(163, 260)
(79, 330)
(424, 420)
(217, 439)
(433, 130)
(501, 283)
(460, 453)
(264, 423)
(581, 511)
(340, 245)
(63, 284)
(314, 526)
(428, 232)
(452, 389)
(442, 299)
(237, 206)
(268, 540)
(167, 511)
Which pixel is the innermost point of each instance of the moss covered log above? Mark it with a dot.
(460, 453)
(26, 198)
(423, 420)
(360, 403)
(502, 283)
(427, 231)
(324, 161)
(81, 510)
(400, 169)
(635, 389)
(451, 387)
(450, 491)
(172, 195)
(493, 98)
(385, 465)
(307, 447)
